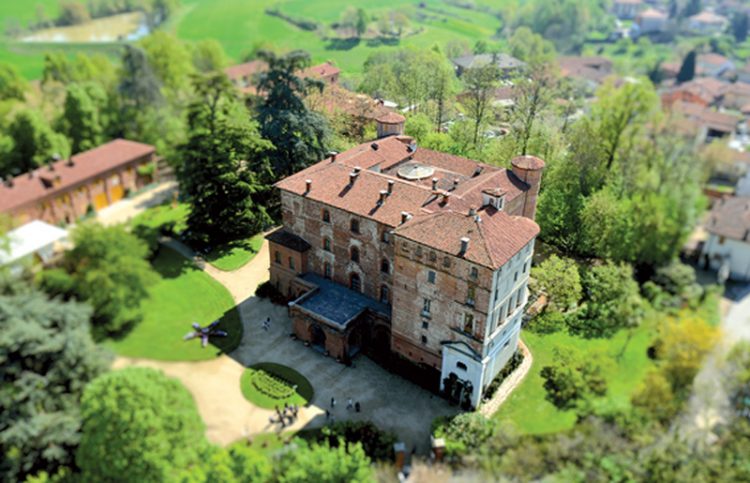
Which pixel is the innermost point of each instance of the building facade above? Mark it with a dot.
(409, 255)
(727, 249)
(66, 190)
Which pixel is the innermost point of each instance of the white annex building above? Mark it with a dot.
(35, 240)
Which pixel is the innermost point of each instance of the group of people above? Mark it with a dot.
(267, 324)
(285, 417)
(351, 405)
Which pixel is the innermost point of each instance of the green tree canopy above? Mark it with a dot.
(46, 358)
(572, 378)
(298, 134)
(345, 463)
(613, 300)
(687, 69)
(222, 166)
(80, 119)
(12, 84)
(171, 60)
(34, 144)
(560, 280)
(480, 84)
(138, 426)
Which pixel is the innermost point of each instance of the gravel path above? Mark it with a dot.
(126, 209)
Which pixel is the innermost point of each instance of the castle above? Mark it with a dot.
(410, 254)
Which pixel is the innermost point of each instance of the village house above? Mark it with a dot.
(626, 9)
(67, 189)
(709, 124)
(592, 71)
(245, 76)
(507, 64)
(713, 65)
(707, 23)
(727, 249)
(650, 21)
(36, 242)
(409, 255)
(705, 91)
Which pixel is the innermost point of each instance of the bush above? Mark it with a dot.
(56, 282)
(266, 290)
(513, 364)
(548, 322)
(378, 444)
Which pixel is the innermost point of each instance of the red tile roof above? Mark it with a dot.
(709, 118)
(336, 99)
(323, 70)
(495, 235)
(37, 184)
(248, 69)
(730, 217)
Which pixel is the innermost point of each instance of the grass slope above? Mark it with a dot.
(235, 256)
(527, 407)
(185, 294)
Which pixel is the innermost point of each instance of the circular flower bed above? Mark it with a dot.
(268, 385)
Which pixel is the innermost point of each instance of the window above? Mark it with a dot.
(474, 273)
(327, 270)
(721, 240)
(525, 267)
(384, 294)
(471, 295)
(326, 216)
(385, 267)
(512, 303)
(277, 257)
(426, 307)
(504, 312)
(354, 225)
(515, 276)
(461, 366)
(385, 237)
(424, 340)
(355, 283)
(469, 323)
(291, 263)
(327, 244)
(425, 325)
(418, 251)
(354, 254)
(431, 276)
(519, 301)
(446, 262)
(433, 256)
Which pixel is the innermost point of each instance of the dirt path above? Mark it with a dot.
(506, 388)
(126, 209)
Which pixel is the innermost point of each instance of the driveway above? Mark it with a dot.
(390, 401)
(126, 209)
(708, 406)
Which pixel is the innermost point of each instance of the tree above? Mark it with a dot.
(34, 144)
(480, 84)
(560, 280)
(170, 60)
(530, 47)
(80, 119)
(109, 270)
(613, 301)
(571, 378)
(347, 462)
(687, 69)
(740, 26)
(138, 425)
(361, 22)
(655, 397)
(533, 96)
(73, 13)
(297, 134)
(12, 85)
(683, 343)
(221, 167)
(46, 358)
(209, 56)
(139, 86)
(419, 126)
(692, 7)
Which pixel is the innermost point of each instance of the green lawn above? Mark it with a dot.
(527, 407)
(183, 295)
(269, 385)
(236, 255)
(159, 216)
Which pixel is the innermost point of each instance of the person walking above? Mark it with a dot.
(357, 407)
(349, 404)
(333, 402)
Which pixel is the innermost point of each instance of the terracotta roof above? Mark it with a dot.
(706, 117)
(528, 162)
(730, 217)
(89, 164)
(594, 68)
(499, 233)
(706, 87)
(652, 13)
(711, 58)
(336, 99)
(248, 69)
(628, 2)
(708, 17)
(494, 236)
(391, 118)
(323, 70)
(289, 240)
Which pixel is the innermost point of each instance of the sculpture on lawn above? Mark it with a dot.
(205, 332)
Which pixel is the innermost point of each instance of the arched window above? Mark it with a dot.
(326, 216)
(384, 292)
(327, 244)
(277, 257)
(354, 225)
(327, 272)
(354, 254)
(385, 267)
(461, 365)
(355, 283)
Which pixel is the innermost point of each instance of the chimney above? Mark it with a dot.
(390, 186)
(464, 246)
(357, 169)
(374, 146)
(308, 185)
(9, 182)
(332, 155)
(477, 172)
(353, 177)
(434, 184)
(455, 183)
(383, 196)
(472, 212)
(405, 216)
(446, 197)
(529, 170)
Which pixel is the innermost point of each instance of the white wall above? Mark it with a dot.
(737, 252)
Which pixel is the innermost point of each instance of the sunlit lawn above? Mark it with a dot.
(183, 295)
(527, 407)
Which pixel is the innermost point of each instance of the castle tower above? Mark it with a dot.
(529, 170)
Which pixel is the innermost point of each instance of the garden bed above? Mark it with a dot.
(269, 385)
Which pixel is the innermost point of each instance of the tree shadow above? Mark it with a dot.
(170, 264)
(231, 323)
(342, 44)
(216, 253)
(383, 41)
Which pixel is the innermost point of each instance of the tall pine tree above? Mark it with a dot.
(298, 134)
(222, 166)
(687, 69)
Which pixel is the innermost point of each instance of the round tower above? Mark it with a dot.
(529, 170)
(390, 124)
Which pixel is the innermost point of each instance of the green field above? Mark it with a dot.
(185, 294)
(527, 407)
(240, 24)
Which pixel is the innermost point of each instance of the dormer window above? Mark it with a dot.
(493, 198)
(354, 225)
